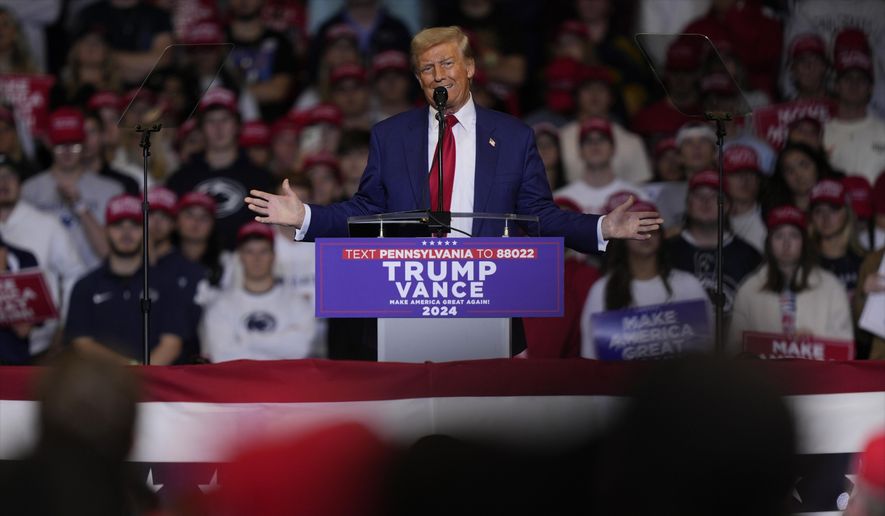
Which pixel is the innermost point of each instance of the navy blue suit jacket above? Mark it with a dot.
(510, 178)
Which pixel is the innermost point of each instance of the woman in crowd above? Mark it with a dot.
(15, 57)
(89, 69)
(834, 233)
(195, 234)
(790, 294)
(547, 139)
(798, 168)
(637, 273)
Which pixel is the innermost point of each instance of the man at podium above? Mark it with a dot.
(490, 164)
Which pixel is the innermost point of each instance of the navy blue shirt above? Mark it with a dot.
(738, 260)
(845, 268)
(185, 275)
(107, 308)
(15, 350)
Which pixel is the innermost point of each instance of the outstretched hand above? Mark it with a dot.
(285, 209)
(635, 225)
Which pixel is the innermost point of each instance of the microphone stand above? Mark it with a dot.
(440, 219)
(719, 297)
(145, 145)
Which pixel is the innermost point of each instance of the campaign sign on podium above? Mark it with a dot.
(439, 277)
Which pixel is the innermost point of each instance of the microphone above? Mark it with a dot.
(440, 97)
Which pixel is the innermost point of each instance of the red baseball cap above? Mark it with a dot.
(575, 28)
(203, 32)
(860, 195)
(620, 197)
(347, 71)
(664, 145)
(879, 194)
(546, 128)
(560, 78)
(325, 114)
(706, 178)
(596, 124)
(786, 214)
(66, 126)
(321, 158)
(738, 158)
(163, 199)
(219, 97)
(683, 57)
(719, 83)
(808, 43)
(851, 50)
(255, 229)
(830, 192)
(123, 207)
(390, 60)
(254, 134)
(195, 198)
(104, 99)
(341, 31)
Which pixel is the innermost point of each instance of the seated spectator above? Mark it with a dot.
(789, 294)
(89, 69)
(855, 136)
(560, 337)
(262, 60)
(392, 83)
(322, 127)
(168, 261)
(809, 67)
(43, 235)
(262, 319)
(284, 145)
(697, 148)
(94, 159)
(681, 76)
(833, 233)
(744, 176)
(594, 97)
(859, 192)
(135, 30)
(339, 46)
(353, 156)
(106, 104)
(10, 143)
(222, 171)
(195, 235)
(105, 317)
(189, 141)
(255, 140)
(15, 340)
(599, 182)
(547, 140)
(694, 249)
(324, 173)
(77, 198)
(807, 131)
(637, 273)
(667, 161)
(798, 168)
(349, 91)
(15, 55)
(870, 281)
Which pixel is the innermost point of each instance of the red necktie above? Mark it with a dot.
(448, 149)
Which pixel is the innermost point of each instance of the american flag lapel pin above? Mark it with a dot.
(491, 141)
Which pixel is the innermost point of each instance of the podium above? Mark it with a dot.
(440, 298)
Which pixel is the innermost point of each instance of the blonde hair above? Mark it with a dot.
(434, 36)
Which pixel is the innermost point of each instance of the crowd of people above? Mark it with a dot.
(805, 226)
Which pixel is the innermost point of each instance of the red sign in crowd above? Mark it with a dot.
(24, 298)
(810, 347)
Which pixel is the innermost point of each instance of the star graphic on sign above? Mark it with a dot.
(212, 486)
(448, 243)
(424, 242)
(150, 482)
(431, 242)
(439, 242)
(454, 242)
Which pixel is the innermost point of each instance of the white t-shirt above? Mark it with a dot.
(857, 147)
(593, 199)
(274, 325)
(644, 293)
(750, 227)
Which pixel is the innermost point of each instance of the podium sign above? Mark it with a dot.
(24, 298)
(439, 277)
(652, 332)
(773, 346)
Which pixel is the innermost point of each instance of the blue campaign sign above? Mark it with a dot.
(654, 331)
(439, 277)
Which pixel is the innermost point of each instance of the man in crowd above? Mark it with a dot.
(223, 170)
(743, 176)
(71, 193)
(262, 319)
(42, 234)
(694, 249)
(105, 316)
